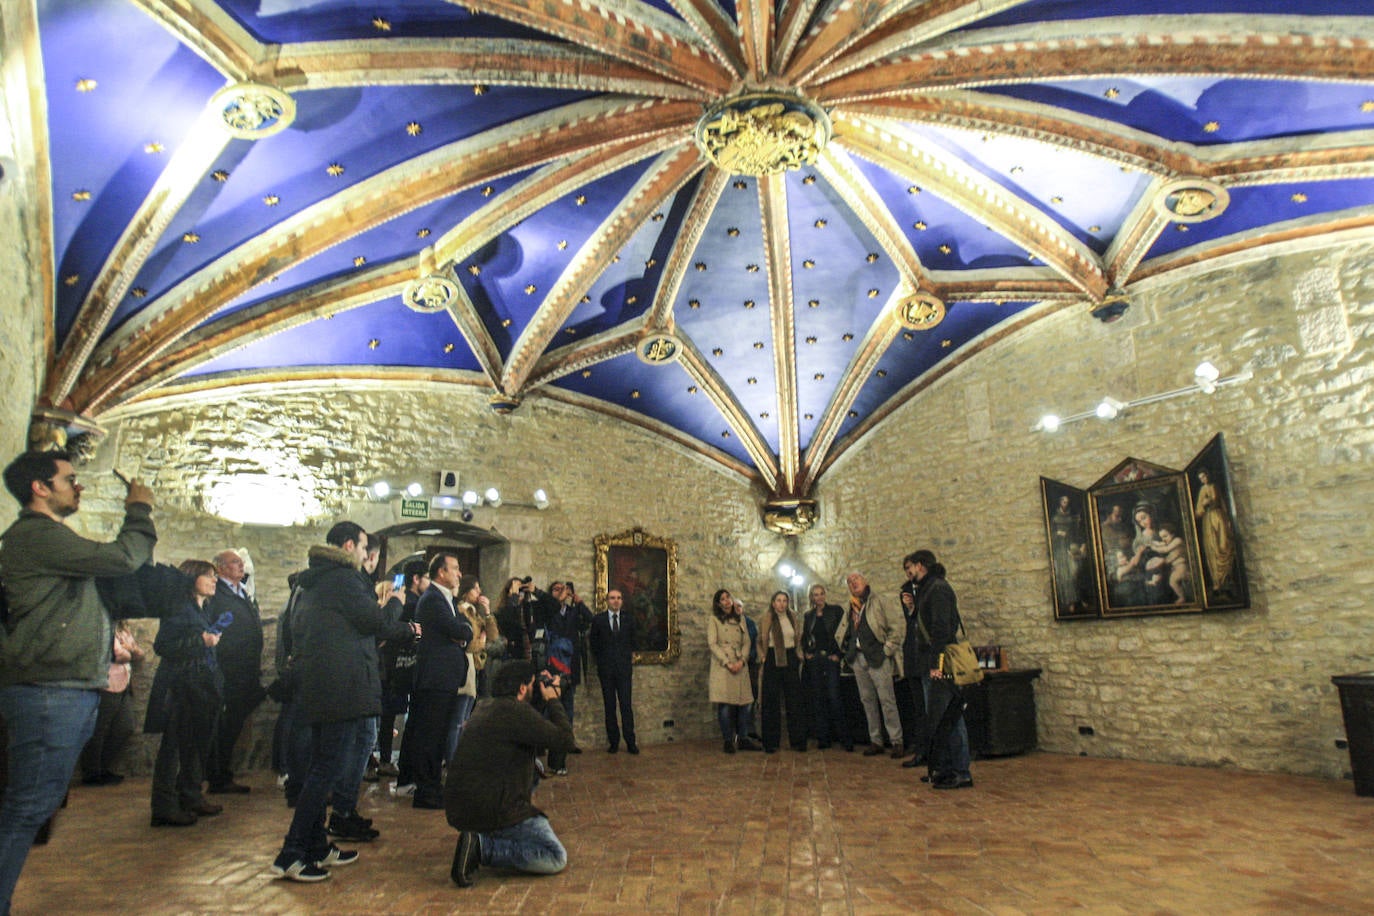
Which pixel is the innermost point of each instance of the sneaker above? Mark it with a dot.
(466, 858)
(561, 771)
(337, 856)
(298, 870)
(350, 829)
(403, 791)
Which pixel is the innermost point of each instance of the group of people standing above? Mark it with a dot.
(792, 663)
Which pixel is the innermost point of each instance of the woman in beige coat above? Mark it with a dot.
(729, 641)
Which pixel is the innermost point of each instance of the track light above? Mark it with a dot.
(1109, 408)
(470, 498)
(492, 497)
(1206, 379)
(1048, 423)
(381, 489)
(1206, 376)
(541, 499)
(413, 490)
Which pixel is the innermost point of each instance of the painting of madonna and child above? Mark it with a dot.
(1146, 539)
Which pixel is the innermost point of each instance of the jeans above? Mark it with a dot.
(879, 697)
(296, 738)
(735, 721)
(344, 795)
(114, 726)
(48, 727)
(529, 846)
(456, 720)
(330, 745)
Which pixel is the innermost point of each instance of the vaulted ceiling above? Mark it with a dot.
(523, 196)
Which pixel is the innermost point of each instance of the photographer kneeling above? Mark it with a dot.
(492, 776)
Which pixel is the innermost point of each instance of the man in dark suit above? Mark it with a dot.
(821, 671)
(613, 647)
(441, 667)
(240, 659)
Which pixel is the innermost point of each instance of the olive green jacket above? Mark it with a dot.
(58, 631)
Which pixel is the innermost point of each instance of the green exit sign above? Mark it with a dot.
(414, 508)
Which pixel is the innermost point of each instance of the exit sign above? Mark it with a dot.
(414, 508)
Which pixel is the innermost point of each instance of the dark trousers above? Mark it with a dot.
(616, 687)
(918, 734)
(430, 711)
(179, 768)
(822, 676)
(558, 760)
(114, 725)
(330, 743)
(782, 684)
(239, 702)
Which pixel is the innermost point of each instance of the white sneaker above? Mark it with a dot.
(403, 791)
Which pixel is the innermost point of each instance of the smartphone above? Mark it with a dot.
(122, 479)
(398, 581)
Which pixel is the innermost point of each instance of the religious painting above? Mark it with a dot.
(1073, 566)
(1221, 578)
(644, 568)
(1146, 548)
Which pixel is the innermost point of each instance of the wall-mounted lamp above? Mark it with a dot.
(413, 490)
(1206, 380)
(380, 490)
(448, 498)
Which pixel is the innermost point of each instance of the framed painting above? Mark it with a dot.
(1147, 555)
(644, 568)
(1073, 560)
(1221, 578)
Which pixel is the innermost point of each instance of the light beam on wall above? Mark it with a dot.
(262, 499)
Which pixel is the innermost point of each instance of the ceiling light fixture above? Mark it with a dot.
(1206, 380)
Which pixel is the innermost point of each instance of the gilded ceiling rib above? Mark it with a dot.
(793, 19)
(912, 28)
(210, 32)
(868, 205)
(839, 26)
(860, 369)
(568, 359)
(1138, 233)
(633, 32)
(465, 61)
(27, 106)
(434, 175)
(657, 427)
(693, 226)
(663, 179)
(541, 189)
(263, 319)
(1290, 159)
(186, 168)
(755, 18)
(715, 29)
(1357, 222)
(474, 331)
(777, 241)
(973, 193)
(1000, 116)
(1003, 285)
(715, 388)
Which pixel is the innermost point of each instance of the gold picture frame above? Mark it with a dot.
(644, 568)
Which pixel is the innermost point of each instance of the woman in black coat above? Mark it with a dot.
(185, 702)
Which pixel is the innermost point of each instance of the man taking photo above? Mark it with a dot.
(487, 797)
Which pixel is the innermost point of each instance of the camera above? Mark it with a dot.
(545, 679)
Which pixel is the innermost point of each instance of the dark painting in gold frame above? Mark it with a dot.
(1222, 577)
(1073, 559)
(1146, 546)
(644, 568)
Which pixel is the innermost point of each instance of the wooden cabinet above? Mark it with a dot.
(1001, 713)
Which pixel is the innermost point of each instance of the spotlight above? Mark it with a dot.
(470, 498)
(1206, 376)
(493, 497)
(414, 490)
(1109, 409)
(467, 515)
(1049, 422)
(541, 499)
(444, 502)
(798, 580)
(381, 489)
(786, 570)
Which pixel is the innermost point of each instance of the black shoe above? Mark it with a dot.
(849, 748)
(350, 828)
(745, 744)
(467, 856)
(228, 788)
(873, 750)
(612, 748)
(914, 762)
(336, 856)
(632, 747)
(770, 750)
(298, 870)
(206, 809)
(822, 745)
(729, 746)
(952, 782)
(799, 748)
(897, 753)
(175, 819)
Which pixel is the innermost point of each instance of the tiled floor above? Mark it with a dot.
(683, 828)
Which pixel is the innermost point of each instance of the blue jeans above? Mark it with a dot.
(344, 796)
(456, 720)
(735, 721)
(529, 846)
(948, 734)
(330, 745)
(48, 727)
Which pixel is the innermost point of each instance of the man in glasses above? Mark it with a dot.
(56, 642)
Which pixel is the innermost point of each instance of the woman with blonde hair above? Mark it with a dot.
(780, 675)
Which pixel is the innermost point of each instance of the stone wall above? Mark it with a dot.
(957, 469)
(602, 477)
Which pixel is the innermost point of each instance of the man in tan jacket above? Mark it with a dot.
(871, 639)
